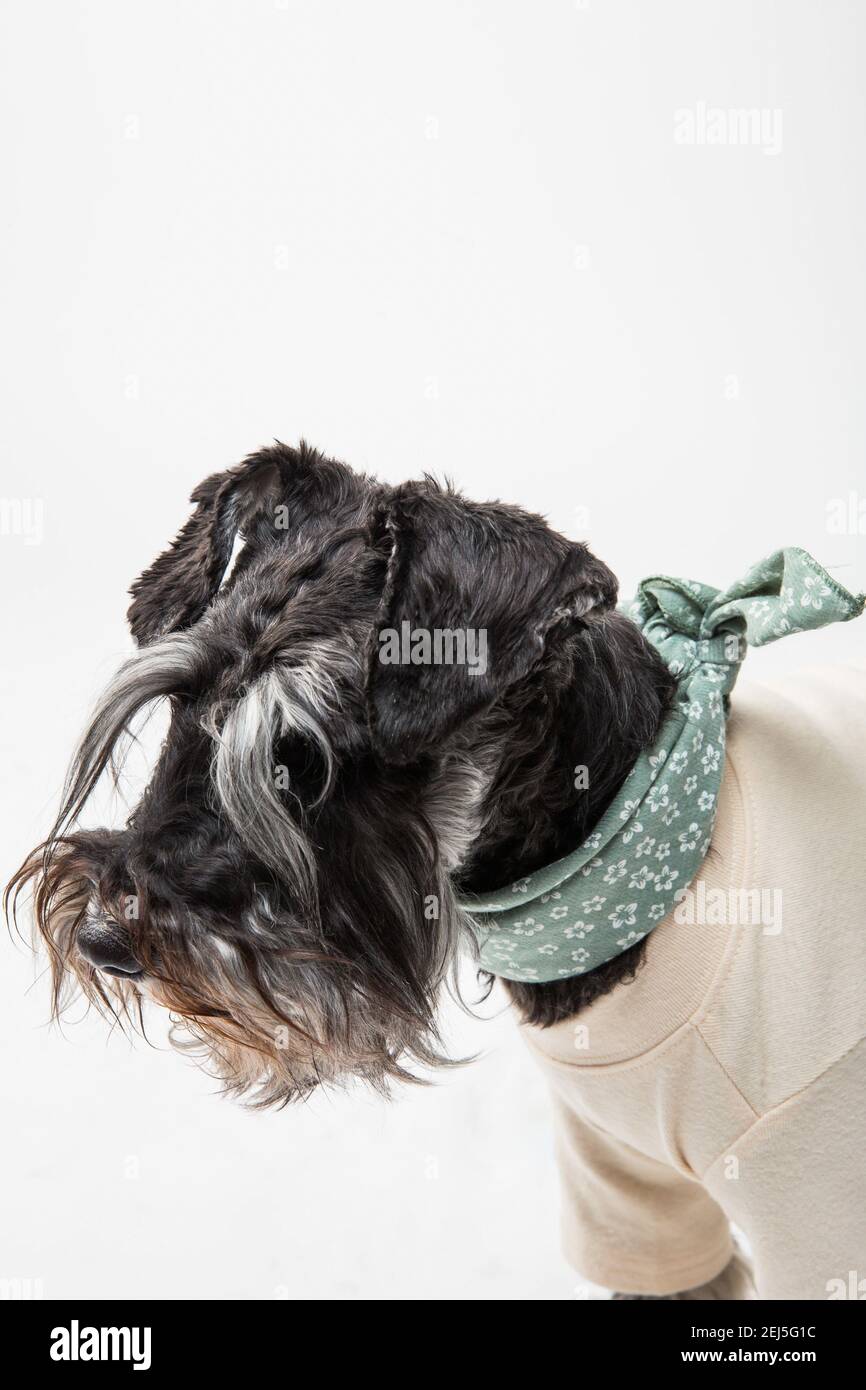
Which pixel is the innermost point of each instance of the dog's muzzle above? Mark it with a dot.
(104, 944)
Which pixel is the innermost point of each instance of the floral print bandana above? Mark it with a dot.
(571, 916)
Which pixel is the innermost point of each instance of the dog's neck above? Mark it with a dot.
(573, 732)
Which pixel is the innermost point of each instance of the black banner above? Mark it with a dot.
(159, 1339)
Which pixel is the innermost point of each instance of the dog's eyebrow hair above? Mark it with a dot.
(243, 766)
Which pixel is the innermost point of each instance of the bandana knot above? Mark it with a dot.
(571, 916)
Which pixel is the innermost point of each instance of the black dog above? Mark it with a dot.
(286, 886)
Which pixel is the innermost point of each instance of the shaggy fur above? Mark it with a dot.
(286, 885)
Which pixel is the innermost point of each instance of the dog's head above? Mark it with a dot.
(336, 719)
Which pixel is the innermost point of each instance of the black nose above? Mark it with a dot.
(105, 944)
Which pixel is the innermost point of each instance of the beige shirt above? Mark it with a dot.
(727, 1082)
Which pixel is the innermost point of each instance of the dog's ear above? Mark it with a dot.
(273, 494)
(493, 582)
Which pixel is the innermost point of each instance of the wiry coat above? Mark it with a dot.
(286, 886)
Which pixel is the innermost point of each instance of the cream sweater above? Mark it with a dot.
(727, 1083)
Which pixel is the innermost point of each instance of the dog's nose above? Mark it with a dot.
(104, 943)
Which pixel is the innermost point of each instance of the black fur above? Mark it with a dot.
(293, 930)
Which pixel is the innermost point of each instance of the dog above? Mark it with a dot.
(287, 886)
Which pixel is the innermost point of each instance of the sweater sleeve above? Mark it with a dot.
(630, 1222)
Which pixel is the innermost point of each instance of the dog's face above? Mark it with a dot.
(282, 887)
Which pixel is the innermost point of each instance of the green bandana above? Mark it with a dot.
(569, 917)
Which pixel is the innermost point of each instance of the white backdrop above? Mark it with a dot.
(603, 259)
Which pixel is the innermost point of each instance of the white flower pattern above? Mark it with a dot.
(616, 871)
(689, 838)
(641, 877)
(527, 926)
(577, 930)
(625, 915)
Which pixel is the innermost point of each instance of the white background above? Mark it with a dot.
(457, 237)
